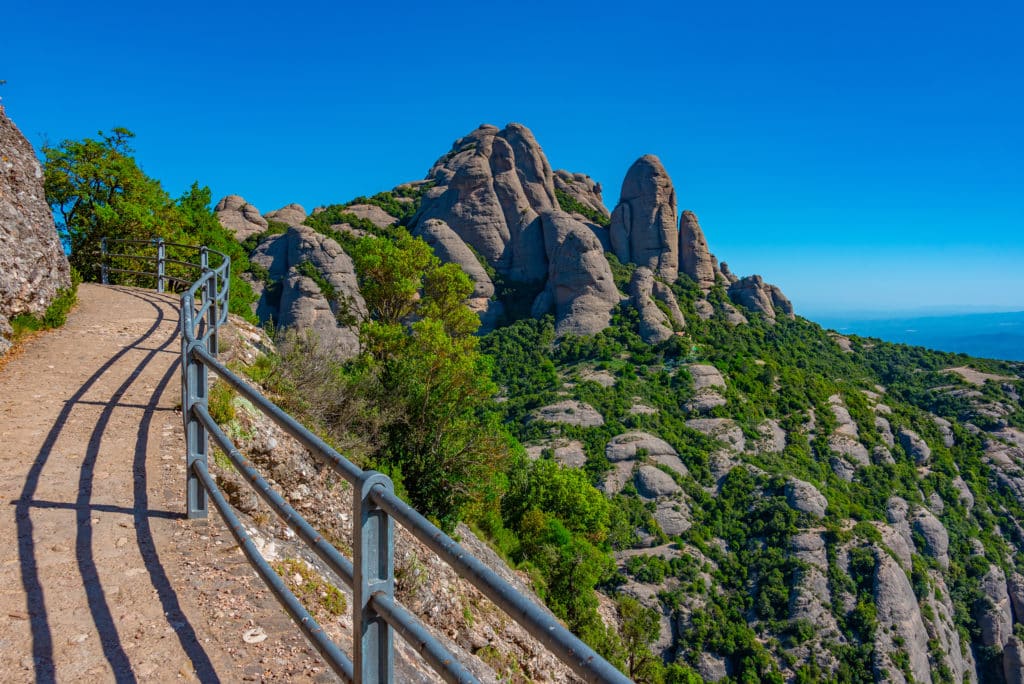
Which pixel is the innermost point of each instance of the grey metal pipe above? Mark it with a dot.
(567, 646)
(334, 656)
(330, 555)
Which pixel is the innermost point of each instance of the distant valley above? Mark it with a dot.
(988, 335)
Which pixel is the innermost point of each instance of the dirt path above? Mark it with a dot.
(101, 578)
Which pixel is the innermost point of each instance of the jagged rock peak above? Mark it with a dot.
(695, 258)
(643, 228)
(583, 189)
(240, 217)
(32, 262)
(491, 189)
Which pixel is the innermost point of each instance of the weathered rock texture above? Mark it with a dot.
(760, 297)
(240, 217)
(643, 229)
(900, 627)
(32, 263)
(583, 189)
(695, 258)
(491, 189)
(655, 326)
(293, 300)
(293, 214)
(580, 287)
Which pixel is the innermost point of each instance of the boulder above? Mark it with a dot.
(723, 429)
(726, 274)
(569, 412)
(994, 612)
(885, 431)
(629, 445)
(1013, 661)
(936, 539)
(673, 517)
(915, 447)
(705, 375)
(653, 483)
(805, 497)
(705, 309)
(643, 228)
(900, 627)
(752, 293)
(663, 293)
(293, 214)
(33, 266)
(966, 496)
(1015, 589)
(946, 430)
(372, 213)
(810, 598)
(583, 189)
(773, 437)
(491, 189)
(450, 248)
(654, 324)
(780, 301)
(240, 217)
(580, 287)
(732, 314)
(695, 259)
(296, 301)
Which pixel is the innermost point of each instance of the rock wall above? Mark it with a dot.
(32, 262)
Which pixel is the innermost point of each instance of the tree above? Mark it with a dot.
(428, 374)
(97, 190)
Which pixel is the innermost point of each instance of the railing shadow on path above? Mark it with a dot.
(42, 637)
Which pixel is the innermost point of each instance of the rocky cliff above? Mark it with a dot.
(32, 262)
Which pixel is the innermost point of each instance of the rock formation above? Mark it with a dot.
(32, 262)
(491, 189)
(240, 217)
(580, 287)
(695, 259)
(900, 627)
(449, 248)
(583, 189)
(293, 299)
(654, 324)
(291, 214)
(643, 229)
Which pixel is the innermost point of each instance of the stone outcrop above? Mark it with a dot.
(915, 447)
(653, 483)
(695, 259)
(632, 445)
(292, 214)
(32, 262)
(450, 248)
(1013, 661)
(805, 497)
(643, 229)
(240, 217)
(760, 297)
(580, 287)
(372, 213)
(583, 189)
(654, 324)
(900, 627)
(570, 413)
(994, 612)
(723, 429)
(491, 189)
(936, 539)
(811, 599)
(294, 300)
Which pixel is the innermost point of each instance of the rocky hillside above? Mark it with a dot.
(777, 502)
(33, 267)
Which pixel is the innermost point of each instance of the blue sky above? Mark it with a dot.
(865, 156)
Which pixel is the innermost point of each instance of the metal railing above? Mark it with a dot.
(376, 615)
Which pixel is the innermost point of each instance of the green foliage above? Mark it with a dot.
(97, 190)
(571, 205)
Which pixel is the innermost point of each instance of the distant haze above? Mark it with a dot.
(990, 335)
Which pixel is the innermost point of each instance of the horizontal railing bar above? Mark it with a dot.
(182, 263)
(425, 643)
(130, 241)
(541, 624)
(147, 257)
(330, 555)
(334, 656)
(316, 446)
(178, 280)
(126, 270)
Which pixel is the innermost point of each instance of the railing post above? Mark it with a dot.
(210, 295)
(373, 573)
(104, 274)
(161, 255)
(194, 387)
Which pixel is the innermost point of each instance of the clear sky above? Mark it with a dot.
(864, 156)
